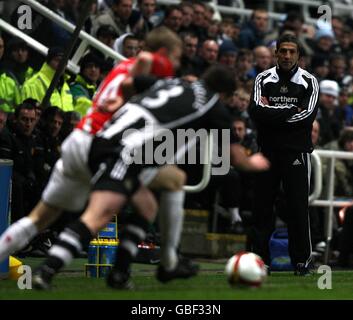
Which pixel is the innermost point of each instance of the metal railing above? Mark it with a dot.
(330, 203)
(206, 172)
(86, 38)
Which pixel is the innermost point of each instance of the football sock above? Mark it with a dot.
(70, 242)
(171, 217)
(17, 236)
(132, 234)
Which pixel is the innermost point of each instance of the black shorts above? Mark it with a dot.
(109, 170)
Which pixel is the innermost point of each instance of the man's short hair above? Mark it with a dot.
(219, 79)
(287, 38)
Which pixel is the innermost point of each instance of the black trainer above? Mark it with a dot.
(302, 270)
(42, 278)
(119, 280)
(184, 269)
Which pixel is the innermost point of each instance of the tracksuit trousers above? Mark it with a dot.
(292, 170)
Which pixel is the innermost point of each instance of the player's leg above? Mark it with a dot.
(170, 181)
(77, 235)
(19, 234)
(133, 233)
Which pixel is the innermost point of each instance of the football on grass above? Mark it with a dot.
(246, 269)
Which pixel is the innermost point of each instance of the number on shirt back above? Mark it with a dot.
(162, 97)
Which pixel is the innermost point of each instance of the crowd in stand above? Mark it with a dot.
(32, 136)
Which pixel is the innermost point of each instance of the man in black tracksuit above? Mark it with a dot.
(283, 107)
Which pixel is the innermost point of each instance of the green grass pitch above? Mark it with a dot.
(209, 284)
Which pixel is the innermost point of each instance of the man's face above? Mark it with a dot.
(130, 48)
(348, 146)
(26, 121)
(328, 101)
(287, 55)
(199, 15)
(338, 67)
(20, 55)
(123, 9)
(190, 46)
(239, 129)
(260, 20)
(174, 20)
(188, 15)
(55, 61)
(210, 51)
(228, 59)
(263, 58)
(148, 7)
(325, 43)
(92, 72)
(55, 125)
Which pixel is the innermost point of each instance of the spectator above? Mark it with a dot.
(71, 119)
(117, 17)
(323, 43)
(37, 86)
(238, 106)
(188, 16)
(146, 9)
(85, 84)
(338, 68)
(127, 45)
(244, 64)
(263, 60)
(246, 137)
(173, 17)
(15, 70)
(208, 56)
(187, 62)
(51, 123)
(27, 157)
(197, 25)
(329, 124)
(253, 33)
(320, 68)
(344, 111)
(228, 54)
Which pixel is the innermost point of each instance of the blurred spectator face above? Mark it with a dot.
(54, 62)
(244, 63)
(2, 47)
(348, 146)
(287, 55)
(3, 118)
(325, 43)
(337, 26)
(343, 98)
(130, 48)
(174, 20)
(188, 14)
(263, 57)
(241, 100)
(148, 7)
(199, 15)
(190, 46)
(328, 101)
(26, 121)
(260, 20)
(315, 133)
(209, 51)
(208, 17)
(107, 39)
(338, 68)
(20, 54)
(295, 25)
(123, 9)
(228, 59)
(92, 72)
(239, 128)
(345, 39)
(322, 71)
(213, 30)
(55, 125)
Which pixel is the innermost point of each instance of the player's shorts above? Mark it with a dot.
(69, 184)
(112, 170)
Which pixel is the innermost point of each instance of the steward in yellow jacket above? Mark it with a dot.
(37, 86)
